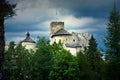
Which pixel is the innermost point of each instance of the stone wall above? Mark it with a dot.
(63, 39)
(56, 26)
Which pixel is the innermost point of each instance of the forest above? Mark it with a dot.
(53, 62)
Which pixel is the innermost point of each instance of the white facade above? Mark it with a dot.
(29, 45)
(73, 51)
(56, 39)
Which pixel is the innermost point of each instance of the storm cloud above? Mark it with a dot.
(35, 16)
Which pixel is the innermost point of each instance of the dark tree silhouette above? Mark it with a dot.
(113, 45)
(112, 41)
(6, 11)
(94, 59)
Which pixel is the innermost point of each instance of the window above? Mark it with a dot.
(73, 40)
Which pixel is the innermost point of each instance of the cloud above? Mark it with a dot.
(73, 22)
(73, 4)
(19, 36)
(35, 16)
(29, 11)
(13, 36)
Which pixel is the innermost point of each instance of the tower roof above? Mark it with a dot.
(61, 32)
(28, 39)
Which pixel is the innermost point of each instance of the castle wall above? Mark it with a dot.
(29, 45)
(78, 49)
(72, 50)
(62, 39)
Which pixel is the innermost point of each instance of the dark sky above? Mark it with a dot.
(35, 16)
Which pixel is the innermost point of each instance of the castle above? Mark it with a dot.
(73, 42)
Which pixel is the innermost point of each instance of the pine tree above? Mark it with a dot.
(112, 43)
(84, 67)
(6, 11)
(94, 59)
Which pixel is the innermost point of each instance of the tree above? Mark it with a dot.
(9, 61)
(42, 63)
(94, 59)
(112, 43)
(65, 67)
(17, 63)
(42, 41)
(23, 63)
(56, 47)
(84, 67)
(6, 11)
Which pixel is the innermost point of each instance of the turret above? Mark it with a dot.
(28, 43)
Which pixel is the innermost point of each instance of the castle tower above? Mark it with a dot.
(28, 43)
(56, 26)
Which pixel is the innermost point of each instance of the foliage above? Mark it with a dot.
(56, 47)
(84, 66)
(16, 65)
(49, 62)
(6, 10)
(23, 62)
(112, 71)
(42, 41)
(9, 61)
(113, 39)
(94, 59)
(112, 43)
(9, 10)
(42, 63)
(65, 67)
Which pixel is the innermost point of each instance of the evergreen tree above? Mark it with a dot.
(6, 11)
(112, 43)
(94, 59)
(84, 67)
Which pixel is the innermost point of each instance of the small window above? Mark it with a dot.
(73, 40)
